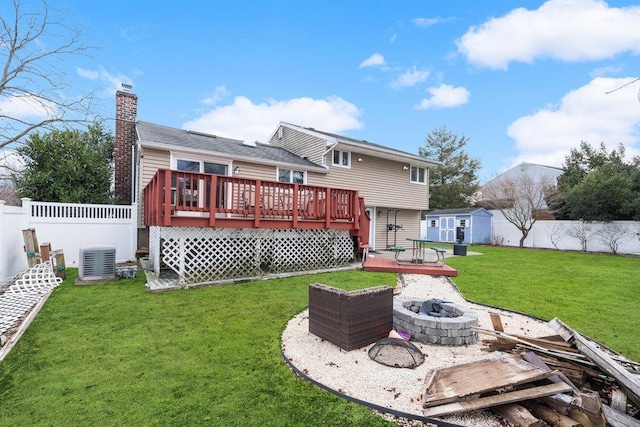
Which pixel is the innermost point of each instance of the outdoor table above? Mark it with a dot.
(418, 252)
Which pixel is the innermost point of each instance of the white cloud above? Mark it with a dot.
(10, 161)
(428, 22)
(218, 94)
(568, 30)
(27, 107)
(585, 114)
(113, 81)
(444, 96)
(255, 122)
(411, 77)
(375, 60)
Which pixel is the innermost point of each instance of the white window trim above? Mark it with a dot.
(174, 157)
(425, 175)
(304, 174)
(340, 165)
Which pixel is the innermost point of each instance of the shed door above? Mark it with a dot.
(447, 229)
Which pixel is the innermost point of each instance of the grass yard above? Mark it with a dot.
(118, 355)
(597, 295)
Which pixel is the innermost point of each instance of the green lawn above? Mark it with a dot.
(597, 295)
(118, 355)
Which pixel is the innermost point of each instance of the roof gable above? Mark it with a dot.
(372, 149)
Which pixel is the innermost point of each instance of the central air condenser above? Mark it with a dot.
(97, 263)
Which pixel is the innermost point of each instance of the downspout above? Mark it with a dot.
(133, 174)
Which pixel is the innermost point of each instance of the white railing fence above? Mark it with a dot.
(67, 226)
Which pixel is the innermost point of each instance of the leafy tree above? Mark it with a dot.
(597, 185)
(580, 162)
(35, 92)
(453, 183)
(604, 194)
(70, 166)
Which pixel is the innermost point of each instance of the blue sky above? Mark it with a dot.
(523, 80)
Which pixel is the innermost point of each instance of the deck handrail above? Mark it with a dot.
(178, 198)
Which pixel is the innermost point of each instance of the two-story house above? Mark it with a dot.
(394, 184)
(302, 179)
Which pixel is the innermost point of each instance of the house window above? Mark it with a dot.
(463, 223)
(292, 176)
(342, 158)
(201, 166)
(418, 175)
(433, 223)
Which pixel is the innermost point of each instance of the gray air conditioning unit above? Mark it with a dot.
(97, 263)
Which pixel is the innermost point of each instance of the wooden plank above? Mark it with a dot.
(619, 419)
(498, 399)
(618, 401)
(569, 354)
(629, 382)
(496, 371)
(536, 361)
(551, 416)
(496, 322)
(517, 415)
(45, 251)
(60, 267)
(31, 247)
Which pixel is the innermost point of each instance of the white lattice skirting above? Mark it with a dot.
(19, 294)
(201, 255)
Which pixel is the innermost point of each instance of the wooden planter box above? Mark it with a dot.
(350, 319)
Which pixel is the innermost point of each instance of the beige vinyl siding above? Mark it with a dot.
(381, 182)
(300, 143)
(410, 221)
(151, 161)
(255, 171)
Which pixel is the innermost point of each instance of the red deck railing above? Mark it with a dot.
(189, 199)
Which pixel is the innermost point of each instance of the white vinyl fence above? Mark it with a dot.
(565, 235)
(67, 226)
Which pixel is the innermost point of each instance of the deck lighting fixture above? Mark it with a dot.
(236, 171)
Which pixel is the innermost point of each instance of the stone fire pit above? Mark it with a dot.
(436, 321)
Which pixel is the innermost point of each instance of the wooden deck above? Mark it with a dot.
(189, 199)
(390, 265)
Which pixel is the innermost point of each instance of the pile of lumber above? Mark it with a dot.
(561, 380)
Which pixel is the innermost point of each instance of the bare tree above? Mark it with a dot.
(580, 230)
(555, 233)
(8, 191)
(610, 235)
(519, 198)
(35, 92)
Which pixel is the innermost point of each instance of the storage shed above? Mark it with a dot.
(443, 225)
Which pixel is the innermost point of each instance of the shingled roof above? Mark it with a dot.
(150, 134)
(362, 144)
